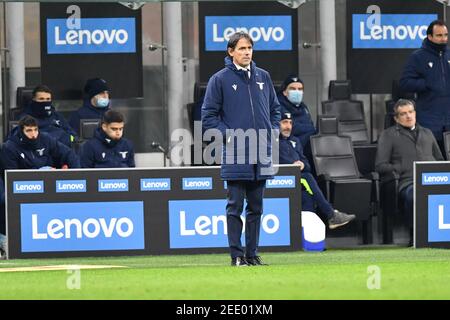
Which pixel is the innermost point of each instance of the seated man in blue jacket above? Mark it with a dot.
(108, 149)
(291, 100)
(95, 103)
(291, 152)
(49, 120)
(27, 148)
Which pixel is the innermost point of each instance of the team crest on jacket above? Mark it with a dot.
(103, 155)
(234, 87)
(430, 64)
(293, 143)
(260, 84)
(124, 154)
(40, 151)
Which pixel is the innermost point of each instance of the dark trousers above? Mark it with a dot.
(253, 191)
(309, 202)
(407, 198)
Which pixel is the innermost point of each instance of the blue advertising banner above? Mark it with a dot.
(435, 178)
(202, 223)
(101, 35)
(267, 32)
(112, 185)
(162, 184)
(70, 186)
(87, 226)
(28, 187)
(384, 31)
(439, 218)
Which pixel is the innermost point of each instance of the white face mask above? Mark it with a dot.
(102, 102)
(295, 96)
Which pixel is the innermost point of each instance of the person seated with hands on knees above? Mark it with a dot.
(291, 152)
(27, 148)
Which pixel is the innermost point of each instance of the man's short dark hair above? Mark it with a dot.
(434, 23)
(111, 116)
(234, 39)
(27, 121)
(41, 88)
(401, 103)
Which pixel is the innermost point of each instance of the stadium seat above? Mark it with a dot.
(390, 204)
(23, 97)
(447, 145)
(87, 128)
(338, 175)
(350, 113)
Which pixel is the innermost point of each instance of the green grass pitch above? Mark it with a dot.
(368, 273)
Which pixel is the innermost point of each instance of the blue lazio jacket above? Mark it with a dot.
(291, 150)
(87, 111)
(53, 124)
(427, 72)
(20, 153)
(233, 101)
(102, 152)
(302, 124)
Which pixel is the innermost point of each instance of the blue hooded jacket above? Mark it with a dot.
(291, 150)
(427, 72)
(233, 101)
(302, 124)
(102, 152)
(19, 152)
(52, 123)
(87, 111)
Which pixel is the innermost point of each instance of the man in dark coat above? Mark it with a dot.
(291, 100)
(108, 149)
(95, 103)
(427, 73)
(27, 148)
(400, 145)
(291, 152)
(50, 121)
(241, 98)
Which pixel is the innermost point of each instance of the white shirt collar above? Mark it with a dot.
(242, 68)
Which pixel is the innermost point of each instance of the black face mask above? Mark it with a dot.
(41, 109)
(30, 143)
(437, 46)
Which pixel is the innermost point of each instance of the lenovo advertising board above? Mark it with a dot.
(380, 37)
(90, 40)
(271, 25)
(99, 212)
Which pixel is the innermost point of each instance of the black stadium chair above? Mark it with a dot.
(23, 98)
(350, 113)
(447, 145)
(87, 128)
(338, 175)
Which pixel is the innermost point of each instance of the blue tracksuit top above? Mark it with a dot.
(102, 152)
(427, 72)
(233, 101)
(87, 111)
(291, 150)
(19, 153)
(54, 124)
(302, 124)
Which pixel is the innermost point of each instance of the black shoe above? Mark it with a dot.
(256, 261)
(338, 219)
(239, 262)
